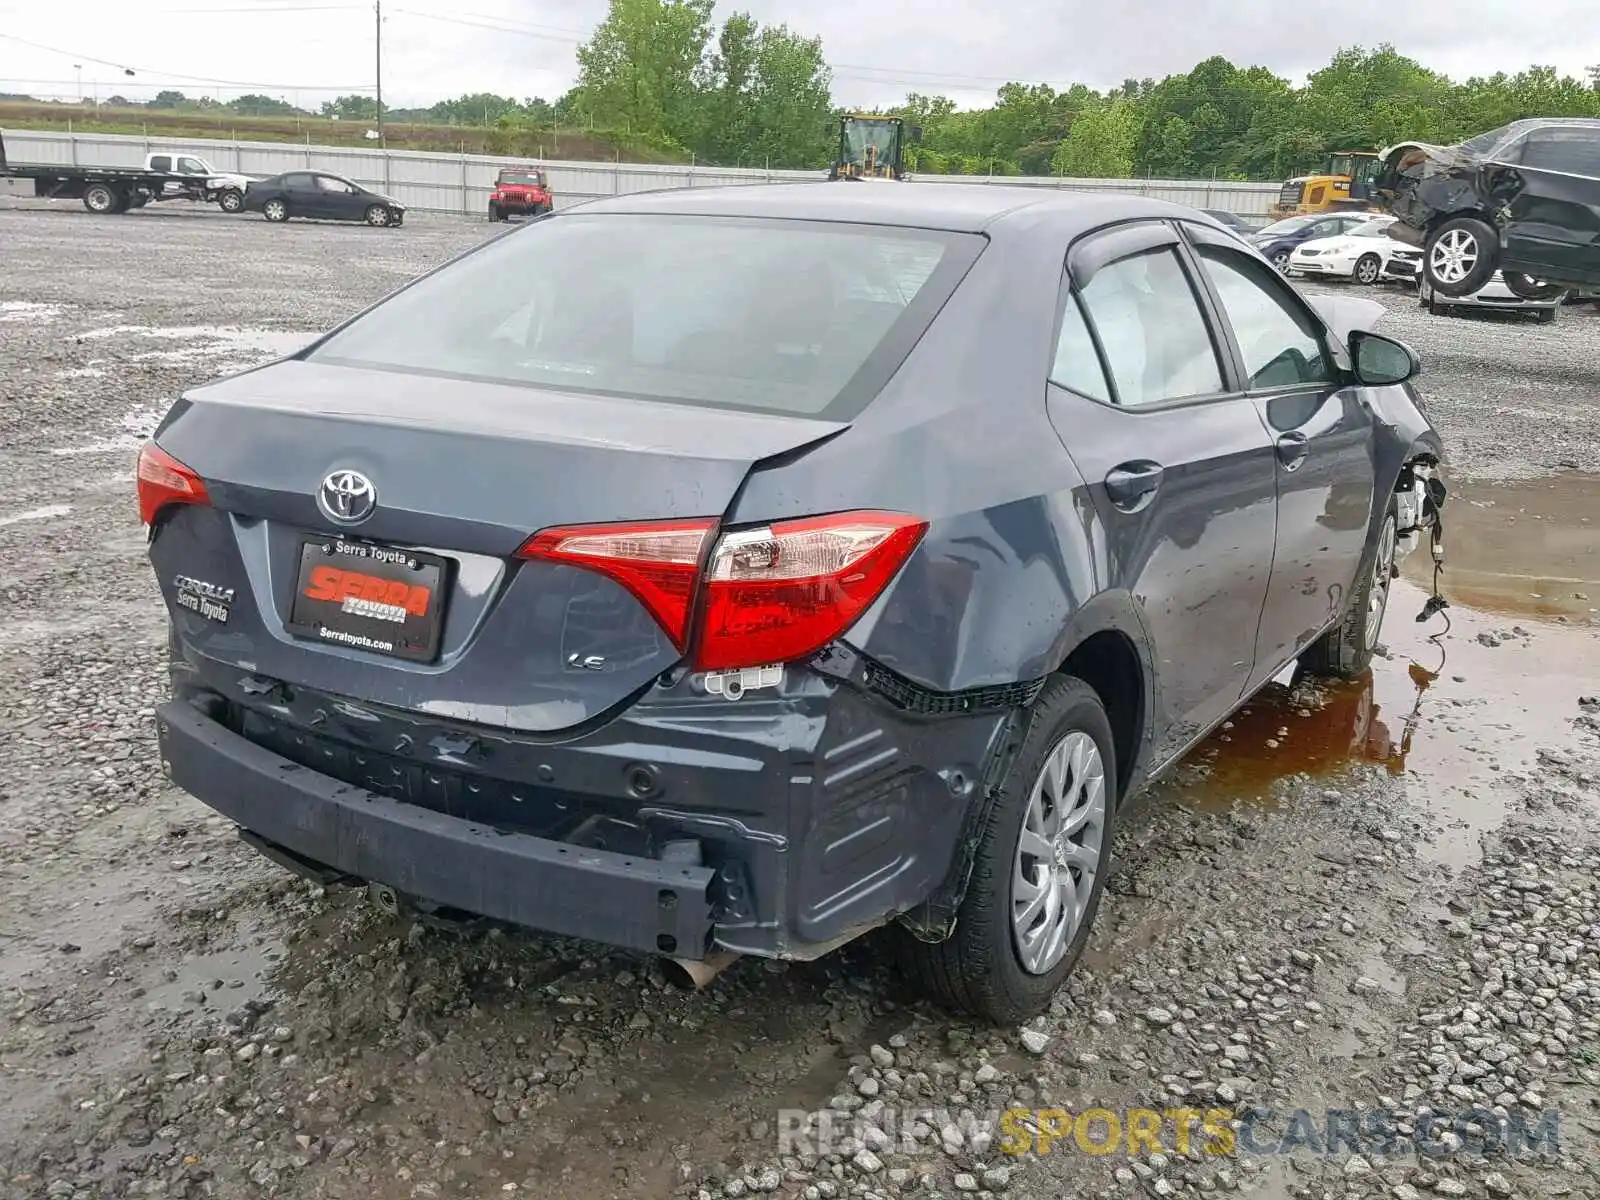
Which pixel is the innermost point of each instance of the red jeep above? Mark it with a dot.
(519, 190)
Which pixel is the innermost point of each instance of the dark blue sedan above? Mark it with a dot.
(1278, 240)
(812, 559)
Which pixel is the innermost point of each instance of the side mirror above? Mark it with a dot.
(1381, 361)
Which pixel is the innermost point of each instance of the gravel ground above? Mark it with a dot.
(1378, 899)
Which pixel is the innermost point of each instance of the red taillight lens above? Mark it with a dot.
(163, 480)
(768, 595)
(777, 594)
(658, 561)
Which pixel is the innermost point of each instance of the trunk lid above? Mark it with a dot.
(461, 474)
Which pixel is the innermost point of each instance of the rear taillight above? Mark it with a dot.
(163, 480)
(658, 561)
(765, 596)
(777, 594)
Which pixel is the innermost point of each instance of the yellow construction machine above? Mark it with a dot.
(872, 147)
(1345, 184)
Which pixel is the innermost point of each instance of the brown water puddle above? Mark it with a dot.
(1529, 547)
(1453, 711)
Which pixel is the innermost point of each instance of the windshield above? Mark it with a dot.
(1372, 229)
(522, 178)
(880, 137)
(770, 315)
(1484, 143)
(1288, 225)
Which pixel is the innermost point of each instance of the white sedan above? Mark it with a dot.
(1360, 254)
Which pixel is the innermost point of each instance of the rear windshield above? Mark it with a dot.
(776, 316)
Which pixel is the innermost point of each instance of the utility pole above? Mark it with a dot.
(377, 8)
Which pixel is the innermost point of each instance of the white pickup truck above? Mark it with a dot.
(196, 180)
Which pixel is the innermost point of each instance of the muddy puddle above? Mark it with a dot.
(1452, 710)
(1525, 547)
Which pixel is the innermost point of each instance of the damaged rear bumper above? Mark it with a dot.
(781, 825)
(639, 904)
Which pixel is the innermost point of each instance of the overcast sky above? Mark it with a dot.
(305, 50)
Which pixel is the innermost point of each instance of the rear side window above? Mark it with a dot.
(1077, 364)
(1575, 151)
(779, 316)
(1156, 343)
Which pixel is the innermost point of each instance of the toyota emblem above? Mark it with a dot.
(347, 497)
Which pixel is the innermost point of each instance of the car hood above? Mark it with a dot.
(1328, 245)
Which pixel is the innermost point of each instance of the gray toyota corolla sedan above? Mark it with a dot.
(737, 570)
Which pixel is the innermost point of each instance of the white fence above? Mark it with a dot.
(460, 183)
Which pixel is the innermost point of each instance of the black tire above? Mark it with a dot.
(495, 214)
(101, 198)
(1369, 267)
(378, 215)
(231, 200)
(1346, 650)
(276, 210)
(137, 200)
(1470, 248)
(978, 969)
(1526, 287)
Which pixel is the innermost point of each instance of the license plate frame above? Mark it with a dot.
(370, 603)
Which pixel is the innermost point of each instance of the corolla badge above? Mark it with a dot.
(347, 497)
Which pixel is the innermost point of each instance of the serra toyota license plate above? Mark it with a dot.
(368, 597)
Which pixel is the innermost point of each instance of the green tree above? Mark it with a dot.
(1101, 142)
(639, 71)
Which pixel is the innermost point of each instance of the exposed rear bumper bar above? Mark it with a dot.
(640, 904)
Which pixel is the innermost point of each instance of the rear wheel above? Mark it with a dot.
(1460, 255)
(1039, 868)
(275, 210)
(1346, 650)
(1281, 261)
(100, 198)
(1368, 268)
(1526, 287)
(377, 215)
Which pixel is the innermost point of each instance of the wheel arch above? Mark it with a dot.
(1105, 646)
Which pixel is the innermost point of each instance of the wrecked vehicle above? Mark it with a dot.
(1523, 200)
(703, 617)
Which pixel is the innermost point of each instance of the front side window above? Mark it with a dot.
(769, 315)
(1155, 339)
(1280, 345)
(191, 166)
(329, 184)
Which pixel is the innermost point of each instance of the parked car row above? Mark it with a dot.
(301, 193)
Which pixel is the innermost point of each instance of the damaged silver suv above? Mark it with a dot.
(1523, 199)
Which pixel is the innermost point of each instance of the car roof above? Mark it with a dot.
(959, 207)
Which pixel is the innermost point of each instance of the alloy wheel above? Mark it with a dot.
(1367, 270)
(1058, 852)
(1453, 256)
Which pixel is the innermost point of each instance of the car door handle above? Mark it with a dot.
(1131, 484)
(1292, 449)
